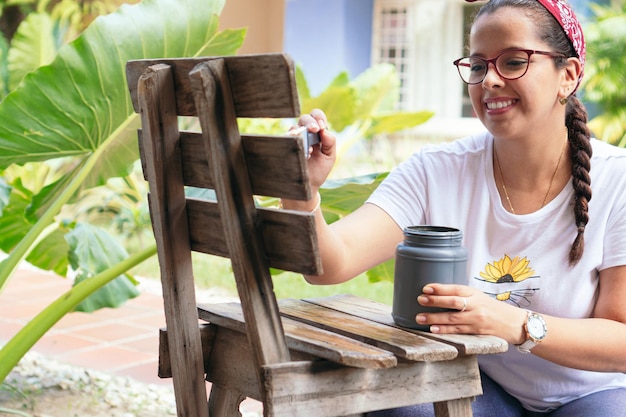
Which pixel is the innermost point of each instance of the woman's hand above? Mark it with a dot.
(322, 156)
(474, 312)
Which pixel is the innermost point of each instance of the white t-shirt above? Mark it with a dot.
(520, 259)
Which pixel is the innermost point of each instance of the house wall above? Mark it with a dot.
(326, 37)
(264, 20)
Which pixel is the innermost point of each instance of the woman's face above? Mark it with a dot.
(512, 108)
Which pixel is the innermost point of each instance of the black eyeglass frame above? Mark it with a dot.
(529, 52)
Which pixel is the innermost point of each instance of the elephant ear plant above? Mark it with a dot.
(74, 121)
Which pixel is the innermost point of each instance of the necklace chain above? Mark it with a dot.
(545, 198)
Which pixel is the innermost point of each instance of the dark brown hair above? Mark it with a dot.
(578, 135)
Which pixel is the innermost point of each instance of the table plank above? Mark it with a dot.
(403, 344)
(308, 339)
(381, 313)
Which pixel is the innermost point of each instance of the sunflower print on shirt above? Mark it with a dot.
(510, 273)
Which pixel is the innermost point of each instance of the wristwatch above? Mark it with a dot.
(536, 330)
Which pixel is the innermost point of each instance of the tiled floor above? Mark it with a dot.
(121, 341)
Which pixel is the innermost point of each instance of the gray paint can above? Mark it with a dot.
(428, 254)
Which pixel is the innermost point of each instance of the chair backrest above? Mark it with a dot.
(238, 168)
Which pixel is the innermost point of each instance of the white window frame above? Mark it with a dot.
(433, 38)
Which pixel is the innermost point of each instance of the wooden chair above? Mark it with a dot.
(332, 356)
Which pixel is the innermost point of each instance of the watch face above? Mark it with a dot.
(536, 327)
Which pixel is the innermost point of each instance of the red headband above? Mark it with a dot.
(564, 14)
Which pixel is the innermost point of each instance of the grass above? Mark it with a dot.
(216, 272)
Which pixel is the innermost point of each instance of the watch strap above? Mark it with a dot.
(531, 341)
(526, 346)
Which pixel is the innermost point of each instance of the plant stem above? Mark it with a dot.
(14, 412)
(23, 341)
(21, 250)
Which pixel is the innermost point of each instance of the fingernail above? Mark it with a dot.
(428, 290)
(420, 319)
(322, 124)
(422, 299)
(434, 329)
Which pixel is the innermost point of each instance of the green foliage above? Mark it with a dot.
(359, 109)
(41, 28)
(72, 119)
(33, 45)
(78, 107)
(92, 251)
(606, 71)
(363, 107)
(68, 143)
(342, 197)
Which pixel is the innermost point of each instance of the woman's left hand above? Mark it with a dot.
(472, 312)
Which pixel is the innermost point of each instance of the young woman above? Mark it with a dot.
(547, 267)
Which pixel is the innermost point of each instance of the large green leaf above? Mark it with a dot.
(393, 122)
(79, 105)
(379, 89)
(4, 66)
(13, 222)
(92, 251)
(32, 46)
(5, 192)
(341, 197)
(80, 101)
(51, 254)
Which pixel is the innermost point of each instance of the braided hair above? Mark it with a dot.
(578, 135)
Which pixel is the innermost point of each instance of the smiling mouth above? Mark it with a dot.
(496, 105)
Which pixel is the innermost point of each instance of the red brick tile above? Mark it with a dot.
(8, 329)
(61, 344)
(110, 332)
(106, 358)
(154, 320)
(147, 344)
(77, 319)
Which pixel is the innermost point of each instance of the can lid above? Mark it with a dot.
(432, 235)
(431, 230)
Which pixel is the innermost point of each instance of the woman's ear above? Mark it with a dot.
(571, 72)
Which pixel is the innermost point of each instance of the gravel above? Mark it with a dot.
(42, 387)
(48, 388)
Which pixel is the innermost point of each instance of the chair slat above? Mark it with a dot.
(274, 171)
(307, 339)
(288, 236)
(164, 173)
(404, 344)
(213, 95)
(262, 85)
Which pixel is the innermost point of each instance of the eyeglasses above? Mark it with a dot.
(510, 65)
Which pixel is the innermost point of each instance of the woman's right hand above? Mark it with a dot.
(323, 155)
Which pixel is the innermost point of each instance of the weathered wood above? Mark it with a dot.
(216, 109)
(306, 339)
(403, 344)
(381, 313)
(167, 208)
(224, 402)
(207, 335)
(461, 408)
(293, 367)
(277, 164)
(325, 389)
(289, 237)
(261, 85)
